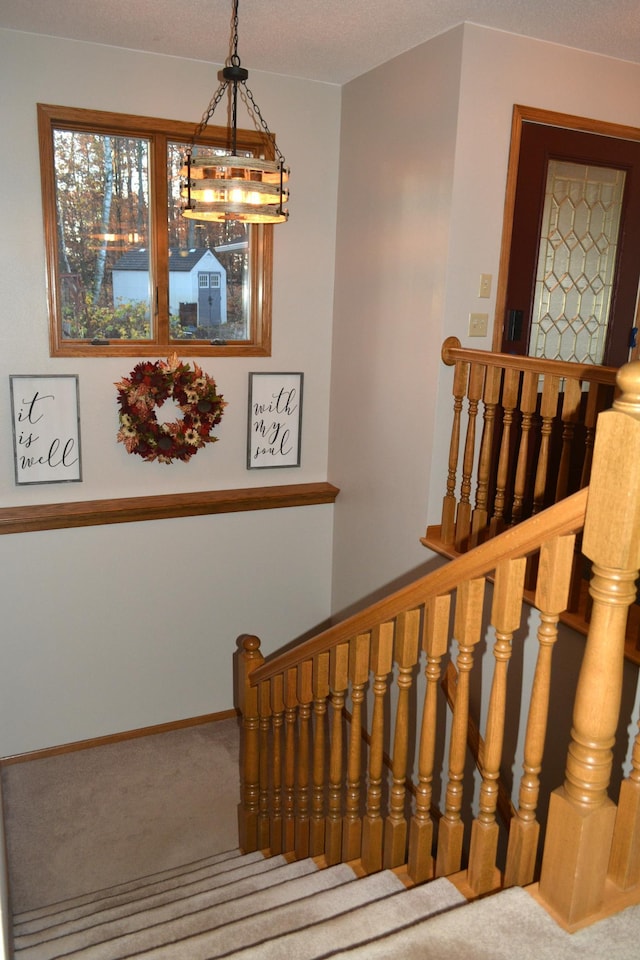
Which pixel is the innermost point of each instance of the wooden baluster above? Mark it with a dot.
(320, 695)
(305, 696)
(463, 516)
(593, 408)
(373, 826)
(277, 708)
(339, 681)
(505, 616)
(624, 864)
(359, 675)
(548, 411)
(467, 631)
(449, 503)
(581, 815)
(247, 698)
(435, 642)
(510, 390)
(552, 591)
(406, 656)
(290, 724)
(528, 403)
(264, 706)
(492, 384)
(571, 399)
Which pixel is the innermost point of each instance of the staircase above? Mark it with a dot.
(347, 757)
(383, 840)
(248, 906)
(231, 904)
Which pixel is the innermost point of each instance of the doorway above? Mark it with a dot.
(570, 264)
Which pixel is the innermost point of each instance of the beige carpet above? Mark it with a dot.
(93, 818)
(162, 808)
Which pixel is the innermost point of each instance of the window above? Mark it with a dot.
(127, 274)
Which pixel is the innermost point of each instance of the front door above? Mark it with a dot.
(574, 262)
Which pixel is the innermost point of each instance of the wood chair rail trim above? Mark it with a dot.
(518, 541)
(56, 516)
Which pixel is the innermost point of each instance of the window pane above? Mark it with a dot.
(102, 206)
(209, 268)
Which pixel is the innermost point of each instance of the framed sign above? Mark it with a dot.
(275, 417)
(46, 428)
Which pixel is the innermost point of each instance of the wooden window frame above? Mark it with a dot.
(159, 133)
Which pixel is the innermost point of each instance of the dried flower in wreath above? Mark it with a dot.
(146, 388)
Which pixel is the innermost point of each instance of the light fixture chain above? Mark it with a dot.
(235, 59)
(206, 116)
(256, 110)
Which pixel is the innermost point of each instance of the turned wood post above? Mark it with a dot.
(373, 826)
(490, 399)
(247, 697)
(289, 782)
(277, 708)
(264, 708)
(463, 515)
(552, 591)
(359, 675)
(510, 389)
(435, 641)
(305, 698)
(406, 656)
(339, 681)
(506, 616)
(449, 503)
(320, 697)
(581, 815)
(467, 630)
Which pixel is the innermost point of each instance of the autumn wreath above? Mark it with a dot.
(146, 388)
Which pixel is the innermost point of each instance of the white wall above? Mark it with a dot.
(424, 145)
(498, 71)
(396, 182)
(424, 152)
(106, 629)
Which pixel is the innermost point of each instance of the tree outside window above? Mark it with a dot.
(124, 267)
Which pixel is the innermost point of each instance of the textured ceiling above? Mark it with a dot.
(327, 40)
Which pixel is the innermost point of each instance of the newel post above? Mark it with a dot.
(249, 660)
(581, 815)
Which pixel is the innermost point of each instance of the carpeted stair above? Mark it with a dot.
(230, 905)
(257, 908)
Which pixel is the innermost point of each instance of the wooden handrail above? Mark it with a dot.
(304, 785)
(452, 350)
(564, 517)
(522, 434)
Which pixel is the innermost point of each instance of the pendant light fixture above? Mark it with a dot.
(220, 187)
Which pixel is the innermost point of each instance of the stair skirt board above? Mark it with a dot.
(292, 909)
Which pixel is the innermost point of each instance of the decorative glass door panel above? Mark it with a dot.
(571, 240)
(576, 261)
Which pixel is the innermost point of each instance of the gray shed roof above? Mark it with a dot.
(180, 260)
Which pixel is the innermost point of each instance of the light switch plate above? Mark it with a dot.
(484, 289)
(478, 324)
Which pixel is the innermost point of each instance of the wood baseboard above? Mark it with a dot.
(118, 737)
